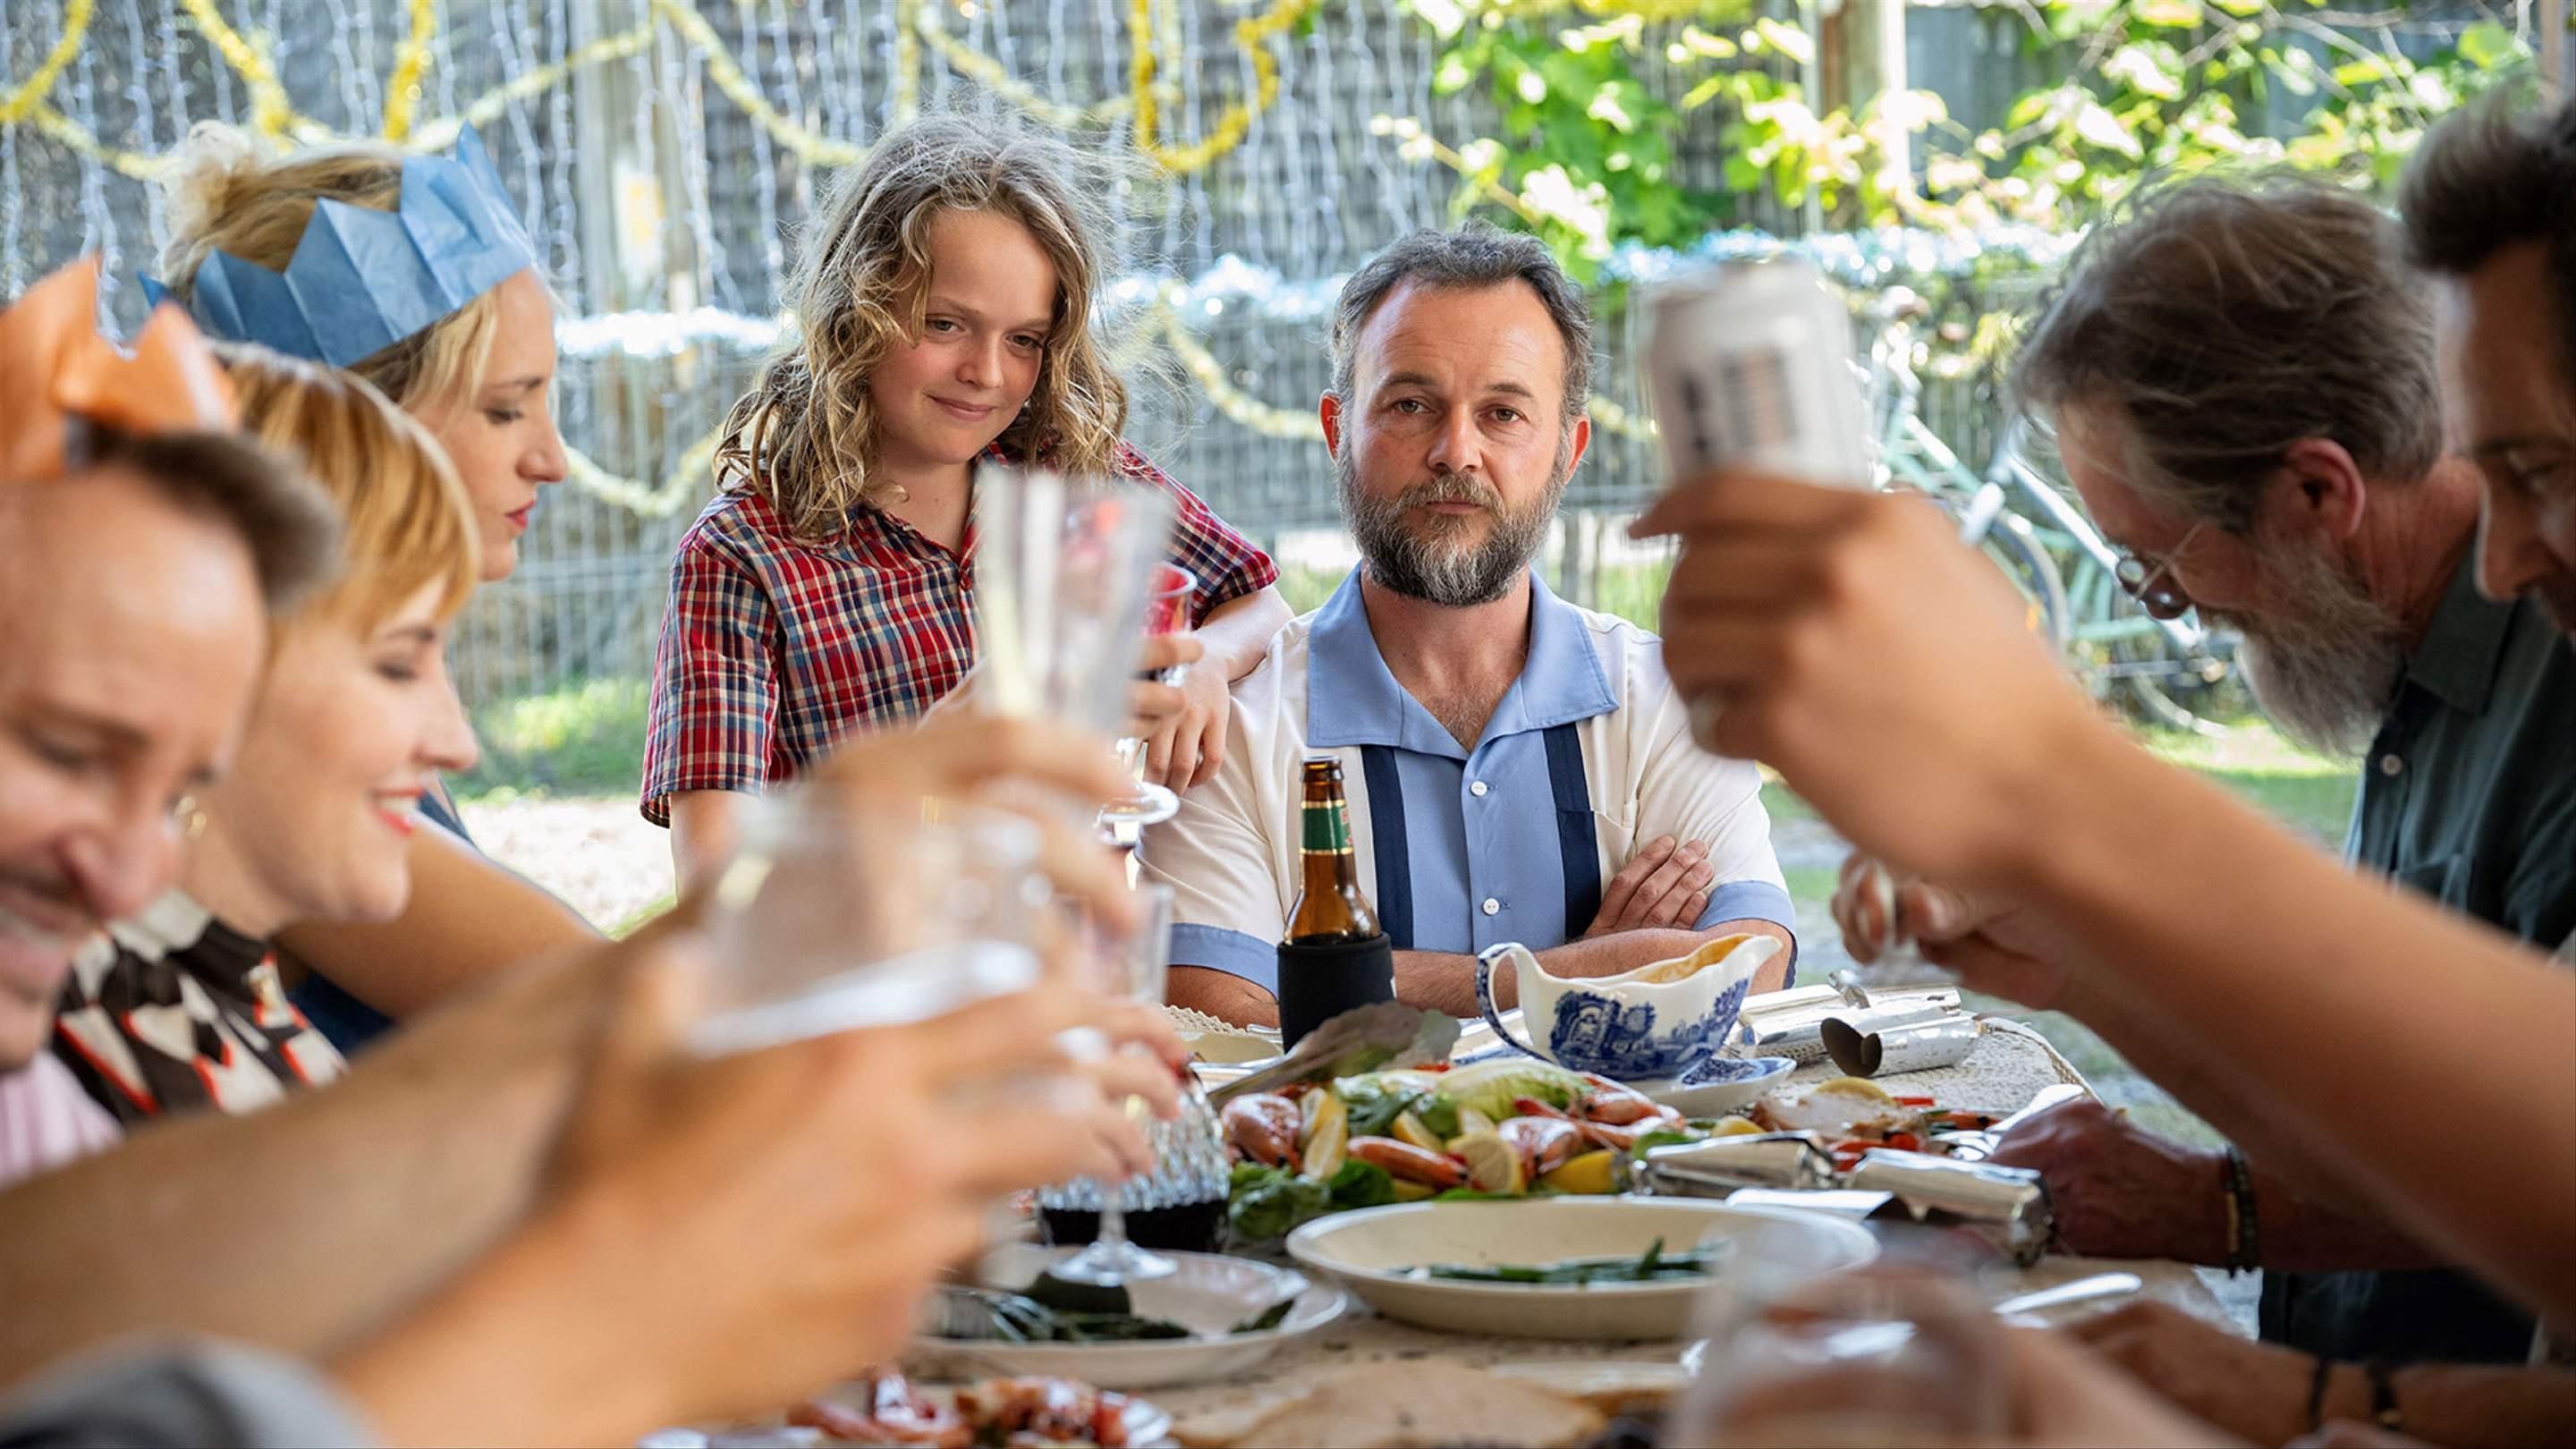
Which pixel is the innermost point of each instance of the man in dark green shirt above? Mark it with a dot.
(2468, 794)
(2243, 385)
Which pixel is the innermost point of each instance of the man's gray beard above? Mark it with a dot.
(2324, 675)
(1421, 564)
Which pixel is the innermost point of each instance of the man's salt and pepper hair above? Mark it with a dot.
(2222, 319)
(1473, 256)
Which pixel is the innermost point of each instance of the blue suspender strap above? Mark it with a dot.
(1578, 846)
(1386, 842)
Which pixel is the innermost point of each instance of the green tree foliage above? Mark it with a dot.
(1584, 154)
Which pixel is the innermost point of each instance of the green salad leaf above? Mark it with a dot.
(1361, 1185)
(1378, 1098)
(1266, 1203)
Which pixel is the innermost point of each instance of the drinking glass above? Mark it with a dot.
(1900, 962)
(1167, 611)
(1185, 1192)
(830, 918)
(1892, 1354)
(1062, 569)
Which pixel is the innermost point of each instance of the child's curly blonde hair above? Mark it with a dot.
(805, 438)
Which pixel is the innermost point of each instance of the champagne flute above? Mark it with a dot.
(1167, 611)
(1061, 570)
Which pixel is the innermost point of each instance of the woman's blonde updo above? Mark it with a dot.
(407, 524)
(226, 195)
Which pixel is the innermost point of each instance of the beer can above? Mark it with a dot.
(1749, 364)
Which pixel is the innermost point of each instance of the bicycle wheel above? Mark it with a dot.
(2165, 689)
(2131, 663)
(2010, 544)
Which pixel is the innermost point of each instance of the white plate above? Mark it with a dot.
(1209, 1294)
(1370, 1250)
(1704, 1100)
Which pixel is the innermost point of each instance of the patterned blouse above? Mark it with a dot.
(773, 647)
(175, 1012)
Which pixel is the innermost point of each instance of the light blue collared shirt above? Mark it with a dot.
(1461, 849)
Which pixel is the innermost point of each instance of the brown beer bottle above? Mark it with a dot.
(1330, 907)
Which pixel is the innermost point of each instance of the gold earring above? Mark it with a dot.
(191, 817)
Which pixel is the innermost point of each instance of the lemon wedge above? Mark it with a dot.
(1593, 1172)
(1410, 1131)
(1327, 1139)
(1735, 1127)
(1854, 1087)
(1493, 1165)
(1414, 1191)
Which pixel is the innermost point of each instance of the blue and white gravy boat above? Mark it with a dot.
(1659, 1020)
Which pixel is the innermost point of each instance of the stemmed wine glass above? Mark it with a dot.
(1189, 1155)
(1167, 611)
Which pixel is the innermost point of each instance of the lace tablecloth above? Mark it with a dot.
(2011, 1064)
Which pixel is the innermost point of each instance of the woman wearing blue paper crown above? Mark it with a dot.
(415, 273)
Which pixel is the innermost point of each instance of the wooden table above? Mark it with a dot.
(2011, 1065)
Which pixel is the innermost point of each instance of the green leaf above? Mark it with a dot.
(2031, 107)
(1266, 1320)
(1451, 75)
(2488, 45)
(1362, 1185)
(2099, 127)
(2241, 9)
(2367, 71)
(1443, 16)
(1263, 1203)
(2169, 14)
(2142, 70)
(1787, 39)
(1742, 175)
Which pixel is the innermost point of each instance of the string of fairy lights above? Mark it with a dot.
(791, 72)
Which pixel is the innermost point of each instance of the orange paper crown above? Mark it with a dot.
(54, 367)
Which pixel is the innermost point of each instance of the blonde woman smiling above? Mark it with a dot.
(181, 1008)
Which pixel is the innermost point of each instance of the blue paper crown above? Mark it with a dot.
(362, 280)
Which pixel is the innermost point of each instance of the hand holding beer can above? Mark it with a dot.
(1750, 367)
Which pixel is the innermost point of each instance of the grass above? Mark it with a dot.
(2312, 794)
(587, 739)
(2309, 793)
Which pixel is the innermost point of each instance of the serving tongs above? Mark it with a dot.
(1376, 1037)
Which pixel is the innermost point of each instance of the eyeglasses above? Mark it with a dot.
(2147, 582)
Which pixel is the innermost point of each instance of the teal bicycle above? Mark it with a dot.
(2169, 672)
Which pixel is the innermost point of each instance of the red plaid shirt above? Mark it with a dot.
(773, 648)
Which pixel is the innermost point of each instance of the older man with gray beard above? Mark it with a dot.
(2243, 384)
(1517, 769)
